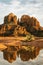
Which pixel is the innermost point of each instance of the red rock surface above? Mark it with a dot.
(22, 26)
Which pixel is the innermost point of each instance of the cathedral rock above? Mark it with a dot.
(14, 26)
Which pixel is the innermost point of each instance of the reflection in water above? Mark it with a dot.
(10, 54)
(28, 52)
(25, 52)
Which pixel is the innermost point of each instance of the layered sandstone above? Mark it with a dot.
(20, 27)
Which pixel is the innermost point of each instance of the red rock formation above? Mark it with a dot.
(25, 20)
(31, 24)
(24, 55)
(34, 22)
(25, 25)
(11, 18)
(20, 31)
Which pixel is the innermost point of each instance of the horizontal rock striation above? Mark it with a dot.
(20, 27)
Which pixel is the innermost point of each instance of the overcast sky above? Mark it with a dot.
(20, 7)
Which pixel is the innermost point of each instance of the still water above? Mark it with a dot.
(33, 8)
(24, 57)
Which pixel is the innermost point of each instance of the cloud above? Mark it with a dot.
(20, 7)
(5, 1)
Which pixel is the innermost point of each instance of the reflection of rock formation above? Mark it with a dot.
(10, 54)
(25, 52)
(29, 53)
(10, 22)
(24, 55)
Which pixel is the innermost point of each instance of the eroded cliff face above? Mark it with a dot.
(32, 25)
(20, 27)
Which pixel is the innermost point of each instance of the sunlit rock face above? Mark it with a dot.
(35, 25)
(11, 18)
(20, 31)
(10, 22)
(20, 27)
(25, 20)
(25, 52)
(34, 22)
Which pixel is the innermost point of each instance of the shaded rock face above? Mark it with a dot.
(25, 20)
(20, 27)
(31, 24)
(25, 53)
(34, 22)
(29, 53)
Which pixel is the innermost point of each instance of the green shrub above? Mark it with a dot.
(30, 37)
